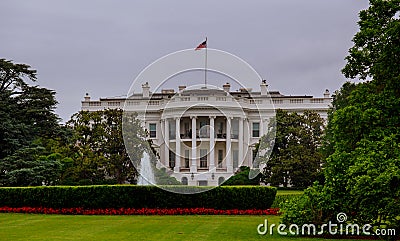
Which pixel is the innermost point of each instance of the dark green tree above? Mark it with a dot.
(13, 76)
(295, 159)
(98, 149)
(362, 145)
(14, 132)
(27, 120)
(28, 167)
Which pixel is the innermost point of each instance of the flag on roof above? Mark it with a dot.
(202, 45)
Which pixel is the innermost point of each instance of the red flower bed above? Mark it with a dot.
(141, 211)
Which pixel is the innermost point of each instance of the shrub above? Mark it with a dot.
(282, 200)
(130, 196)
(241, 178)
(314, 206)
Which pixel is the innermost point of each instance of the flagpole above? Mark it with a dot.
(205, 67)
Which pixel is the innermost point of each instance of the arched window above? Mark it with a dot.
(184, 181)
(221, 180)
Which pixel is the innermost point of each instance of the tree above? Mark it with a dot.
(362, 169)
(366, 129)
(98, 148)
(27, 120)
(12, 76)
(28, 167)
(295, 159)
(14, 132)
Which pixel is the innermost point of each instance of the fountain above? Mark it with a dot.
(146, 174)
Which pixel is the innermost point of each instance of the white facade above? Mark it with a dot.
(203, 135)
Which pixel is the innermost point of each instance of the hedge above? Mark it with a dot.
(131, 196)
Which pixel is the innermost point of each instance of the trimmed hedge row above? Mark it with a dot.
(131, 196)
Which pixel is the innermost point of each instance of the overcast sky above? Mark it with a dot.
(100, 46)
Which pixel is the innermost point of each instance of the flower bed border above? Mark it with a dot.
(139, 211)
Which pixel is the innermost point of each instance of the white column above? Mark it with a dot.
(241, 139)
(229, 167)
(248, 134)
(166, 142)
(212, 143)
(193, 166)
(178, 144)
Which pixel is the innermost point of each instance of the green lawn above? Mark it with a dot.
(288, 192)
(59, 227)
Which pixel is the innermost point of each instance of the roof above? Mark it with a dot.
(206, 92)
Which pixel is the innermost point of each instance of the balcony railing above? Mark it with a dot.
(217, 136)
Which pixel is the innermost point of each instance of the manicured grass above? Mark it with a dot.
(68, 227)
(289, 192)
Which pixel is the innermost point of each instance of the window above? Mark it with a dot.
(153, 130)
(235, 129)
(172, 131)
(171, 159)
(203, 158)
(220, 129)
(204, 129)
(220, 158)
(235, 158)
(186, 158)
(256, 129)
(203, 183)
(184, 181)
(187, 130)
(221, 180)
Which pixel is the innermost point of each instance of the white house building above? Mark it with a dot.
(204, 134)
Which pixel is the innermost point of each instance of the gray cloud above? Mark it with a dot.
(99, 46)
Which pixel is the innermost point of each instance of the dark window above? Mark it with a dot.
(203, 158)
(235, 158)
(187, 130)
(256, 129)
(171, 159)
(203, 183)
(221, 180)
(184, 181)
(172, 131)
(186, 158)
(220, 158)
(153, 130)
(204, 129)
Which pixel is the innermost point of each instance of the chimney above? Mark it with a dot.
(181, 87)
(146, 90)
(264, 87)
(87, 97)
(327, 94)
(226, 87)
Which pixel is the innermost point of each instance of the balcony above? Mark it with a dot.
(221, 169)
(223, 136)
(184, 169)
(202, 169)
